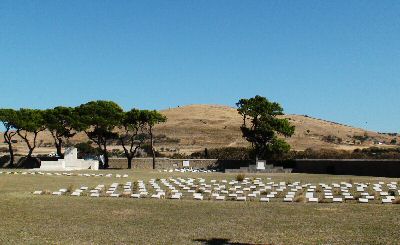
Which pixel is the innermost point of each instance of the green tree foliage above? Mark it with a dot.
(60, 121)
(29, 121)
(8, 118)
(85, 149)
(224, 153)
(261, 126)
(132, 134)
(152, 118)
(98, 119)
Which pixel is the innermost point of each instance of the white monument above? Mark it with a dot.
(260, 165)
(70, 162)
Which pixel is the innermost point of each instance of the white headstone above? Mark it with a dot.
(186, 163)
(260, 165)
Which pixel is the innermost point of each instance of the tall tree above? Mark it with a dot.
(60, 121)
(153, 118)
(8, 117)
(29, 122)
(261, 126)
(98, 119)
(132, 134)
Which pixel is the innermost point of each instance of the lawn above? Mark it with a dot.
(30, 219)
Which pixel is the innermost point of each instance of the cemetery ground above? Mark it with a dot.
(38, 219)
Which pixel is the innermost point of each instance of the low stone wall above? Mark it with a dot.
(162, 163)
(364, 167)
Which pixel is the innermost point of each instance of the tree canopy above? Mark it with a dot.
(60, 122)
(29, 121)
(104, 122)
(132, 134)
(152, 118)
(98, 119)
(261, 126)
(8, 117)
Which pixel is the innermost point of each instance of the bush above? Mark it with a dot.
(300, 199)
(3, 150)
(86, 149)
(70, 188)
(162, 138)
(225, 153)
(179, 156)
(240, 177)
(147, 149)
(368, 153)
(117, 153)
(332, 139)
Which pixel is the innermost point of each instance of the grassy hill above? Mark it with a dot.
(195, 127)
(200, 126)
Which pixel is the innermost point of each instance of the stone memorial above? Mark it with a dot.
(70, 162)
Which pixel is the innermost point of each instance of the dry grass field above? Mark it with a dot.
(46, 219)
(195, 127)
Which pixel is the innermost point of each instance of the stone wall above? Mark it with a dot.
(162, 163)
(364, 167)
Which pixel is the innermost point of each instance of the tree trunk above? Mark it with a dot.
(129, 162)
(152, 148)
(11, 151)
(29, 156)
(105, 153)
(30, 147)
(7, 138)
(59, 148)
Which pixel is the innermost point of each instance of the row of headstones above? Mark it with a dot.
(189, 170)
(345, 192)
(289, 197)
(63, 174)
(238, 193)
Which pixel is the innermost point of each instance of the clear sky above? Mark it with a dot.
(336, 60)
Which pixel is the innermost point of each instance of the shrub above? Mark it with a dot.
(46, 192)
(179, 156)
(86, 148)
(125, 195)
(70, 188)
(3, 150)
(332, 139)
(147, 149)
(225, 153)
(300, 199)
(117, 153)
(240, 177)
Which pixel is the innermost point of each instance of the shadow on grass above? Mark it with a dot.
(219, 241)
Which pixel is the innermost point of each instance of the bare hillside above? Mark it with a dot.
(195, 127)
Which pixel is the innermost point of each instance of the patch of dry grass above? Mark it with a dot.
(31, 219)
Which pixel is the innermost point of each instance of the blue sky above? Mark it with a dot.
(337, 60)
